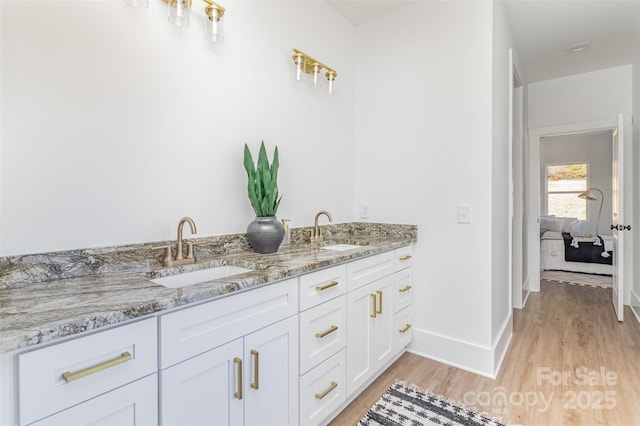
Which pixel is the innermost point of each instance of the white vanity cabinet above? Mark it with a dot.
(323, 337)
(232, 361)
(379, 300)
(403, 291)
(108, 377)
(370, 331)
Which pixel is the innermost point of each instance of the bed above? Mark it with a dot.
(552, 254)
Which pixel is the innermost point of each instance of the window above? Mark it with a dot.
(564, 183)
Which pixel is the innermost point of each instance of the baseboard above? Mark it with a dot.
(635, 304)
(456, 353)
(501, 343)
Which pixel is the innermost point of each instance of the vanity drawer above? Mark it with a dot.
(61, 375)
(403, 289)
(323, 389)
(403, 257)
(192, 331)
(318, 287)
(369, 269)
(403, 328)
(323, 332)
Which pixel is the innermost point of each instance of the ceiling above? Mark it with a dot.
(545, 29)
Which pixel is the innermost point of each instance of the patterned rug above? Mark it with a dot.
(401, 405)
(577, 278)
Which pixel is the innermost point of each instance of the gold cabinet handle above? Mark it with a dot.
(405, 289)
(326, 286)
(375, 309)
(327, 390)
(406, 328)
(69, 376)
(238, 362)
(407, 257)
(380, 310)
(256, 373)
(326, 332)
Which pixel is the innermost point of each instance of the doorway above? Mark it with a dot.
(533, 199)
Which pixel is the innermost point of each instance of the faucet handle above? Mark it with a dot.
(167, 253)
(190, 246)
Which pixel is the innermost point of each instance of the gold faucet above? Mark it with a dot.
(316, 236)
(180, 259)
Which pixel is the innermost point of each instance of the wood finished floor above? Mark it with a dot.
(569, 363)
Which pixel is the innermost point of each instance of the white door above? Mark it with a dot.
(361, 310)
(617, 220)
(205, 390)
(271, 374)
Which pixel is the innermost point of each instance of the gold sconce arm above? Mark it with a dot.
(213, 10)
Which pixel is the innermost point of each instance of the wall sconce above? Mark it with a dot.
(213, 25)
(179, 14)
(305, 64)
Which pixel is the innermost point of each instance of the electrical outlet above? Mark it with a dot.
(464, 214)
(364, 211)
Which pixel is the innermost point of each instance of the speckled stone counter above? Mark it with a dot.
(48, 296)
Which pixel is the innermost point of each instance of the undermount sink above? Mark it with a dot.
(203, 275)
(342, 247)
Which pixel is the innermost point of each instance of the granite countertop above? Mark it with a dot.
(74, 301)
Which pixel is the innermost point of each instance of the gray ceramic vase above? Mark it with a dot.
(265, 234)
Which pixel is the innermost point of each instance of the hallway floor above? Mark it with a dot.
(569, 363)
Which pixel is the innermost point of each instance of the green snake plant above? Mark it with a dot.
(262, 183)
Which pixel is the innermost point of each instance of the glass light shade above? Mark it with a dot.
(331, 78)
(298, 59)
(214, 24)
(316, 80)
(138, 4)
(180, 12)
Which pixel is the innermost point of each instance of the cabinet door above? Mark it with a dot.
(370, 334)
(271, 374)
(205, 390)
(360, 312)
(383, 334)
(133, 404)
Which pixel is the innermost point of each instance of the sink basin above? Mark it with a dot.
(203, 275)
(342, 247)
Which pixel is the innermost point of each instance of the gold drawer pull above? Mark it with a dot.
(406, 328)
(69, 376)
(375, 309)
(326, 286)
(329, 331)
(256, 365)
(407, 257)
(326, 391)
(405, 289)
(380, 294)
(238, 362)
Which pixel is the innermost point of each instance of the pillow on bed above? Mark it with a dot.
(579, 227)
(568, 223)
(551, 224)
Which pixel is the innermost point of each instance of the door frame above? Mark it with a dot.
(533, 195)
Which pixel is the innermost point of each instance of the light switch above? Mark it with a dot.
(464, 213)
(364, 211)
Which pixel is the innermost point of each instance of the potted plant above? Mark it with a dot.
(265, 233)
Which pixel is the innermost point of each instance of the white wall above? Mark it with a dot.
(593, 149)
(424, 146)
(591, 97)
(115, 123)
(501, 163)
(635, 289)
